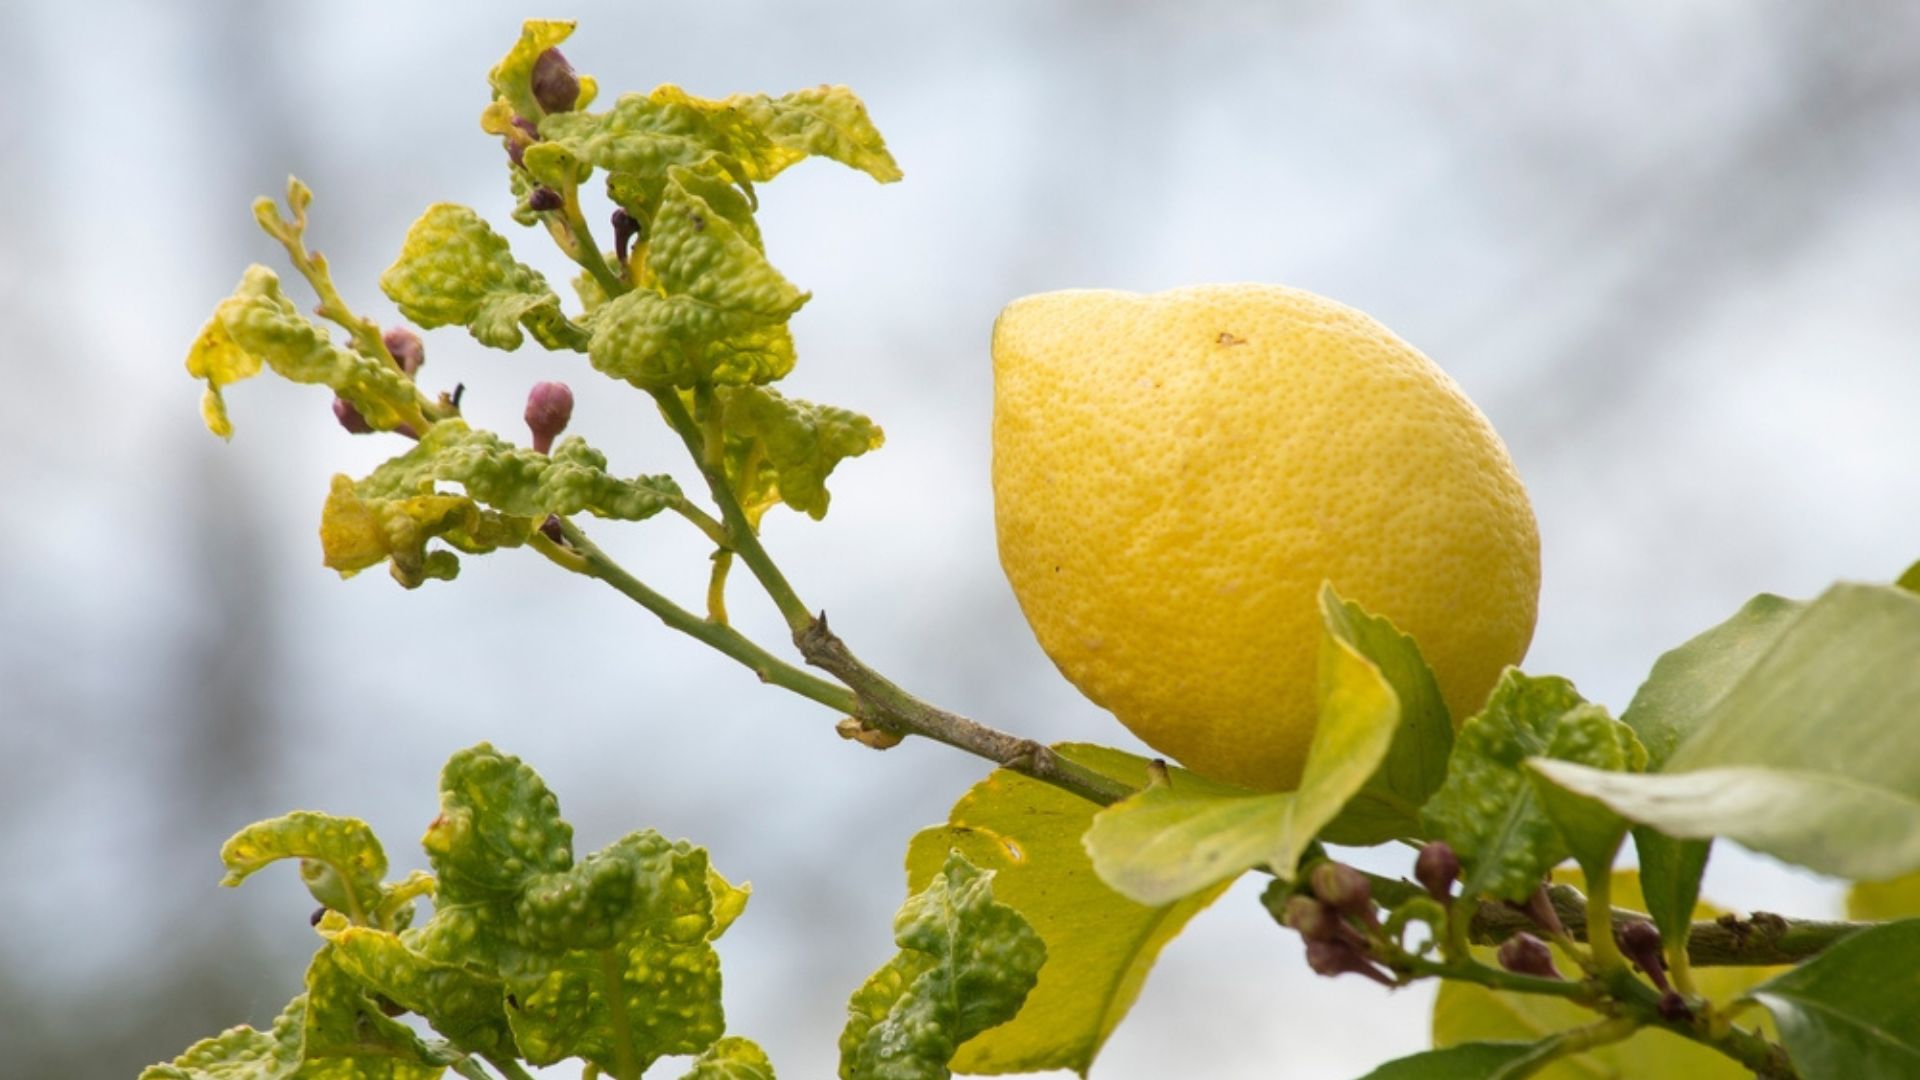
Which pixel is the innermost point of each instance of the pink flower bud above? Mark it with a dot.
(350, 417)
(1343, 888)
(549, 407)
(1524, 954)
(406, 348)
(544, 199)
(1436, 869)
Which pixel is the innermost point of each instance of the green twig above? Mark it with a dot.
(509, 1068)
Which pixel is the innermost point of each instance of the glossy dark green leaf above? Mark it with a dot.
(1854, 1010)
(1467, 1061)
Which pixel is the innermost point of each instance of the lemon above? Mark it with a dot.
(1176, 474)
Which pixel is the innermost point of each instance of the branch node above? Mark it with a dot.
(877, 738)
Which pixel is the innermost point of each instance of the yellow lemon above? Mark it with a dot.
(1175, 474)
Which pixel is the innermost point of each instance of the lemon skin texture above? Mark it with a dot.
(1176, 474)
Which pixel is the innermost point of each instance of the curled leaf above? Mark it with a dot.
(453, 269)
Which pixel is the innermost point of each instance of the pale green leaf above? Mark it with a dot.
(1688, 681)
(1176, 839)
(258, 325)
(465, 1006)
(1670, 873)
(1489, 809)
(1388, 807)
(454, 269)
(966, 964)
(1879, 901)
(1100, 945)
(1466, 1013)
(732, 1058)
(341, 860)
(781, 450)
(1812, 756)
(1850, 1012)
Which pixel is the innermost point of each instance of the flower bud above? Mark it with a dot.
(1673, 1007)
(549, 407)
(1436, 869)
(550, 529)
(555, 86)
(1640, 941)
(406, 349)
(318, 914)
(625, 228)
(1310, 918)
(1524, 954)
(350, 417)
(1331, 958)
(1343, 888)
(544, 199)
(526, 134)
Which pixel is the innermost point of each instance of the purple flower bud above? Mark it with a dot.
(1332, 958)
(549, 407)
(625, 228)
(406, 348)
(516, 144)
(544, 199)
(1673, 1007)
(318, 914)
(555, 86)
(1343, 888)
(1311, 919)
(350, 417)
(1436, 869)
(550, 529)
(1640, 940)
(1524, 954)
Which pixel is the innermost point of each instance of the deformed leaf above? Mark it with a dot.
(241, 1053)
(781, 450)
(1850, 1010)
(825, 121)
(1173, 840)
(341, 860)
(966, 964)
(1100, 945)
(358, 531)
(719, 315)
(258, 325)
(1811, 756)
(732, 1058)
(1489, 809)
(346, 1035)
(466, 1007)
(454, 269)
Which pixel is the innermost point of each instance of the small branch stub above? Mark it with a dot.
(857, 730)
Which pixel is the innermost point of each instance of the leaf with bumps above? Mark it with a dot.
(719, 316)
(359, 531)
(241, 1053)
(465, 1006)
(1489, 809)
(781, 450)
(966, 964)
(512, 77)
(825, 121)
(454, 269)
(346, 1035)
(732, 1058)
(258, 325)
(341, 860)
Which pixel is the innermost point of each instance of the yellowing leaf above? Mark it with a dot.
(1100, 945)
(781, 450)
(512, 77)
(454, 269)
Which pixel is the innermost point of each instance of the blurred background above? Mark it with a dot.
(1669, 249)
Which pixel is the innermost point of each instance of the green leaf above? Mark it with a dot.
(1812, 756)
(1388, 807)
(609, 959)
(1910, 579)
(258, 326)
(1592, 832)
(750, 137)
(719, 316)
(1850, 1011)
(341, 860)
(1878, 901)
(732, 1058)
(346, 1035)
(1177, 839)
(1100, 945)
(454, 269)
(512, 77)
(397, 510)
(1670, 873)
(1489, 809)
(1466, 1013)
(1688, 681)
(781, 450)
(465, 1006)
(966, 964)
(1467, 1061)
(242, 1053)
